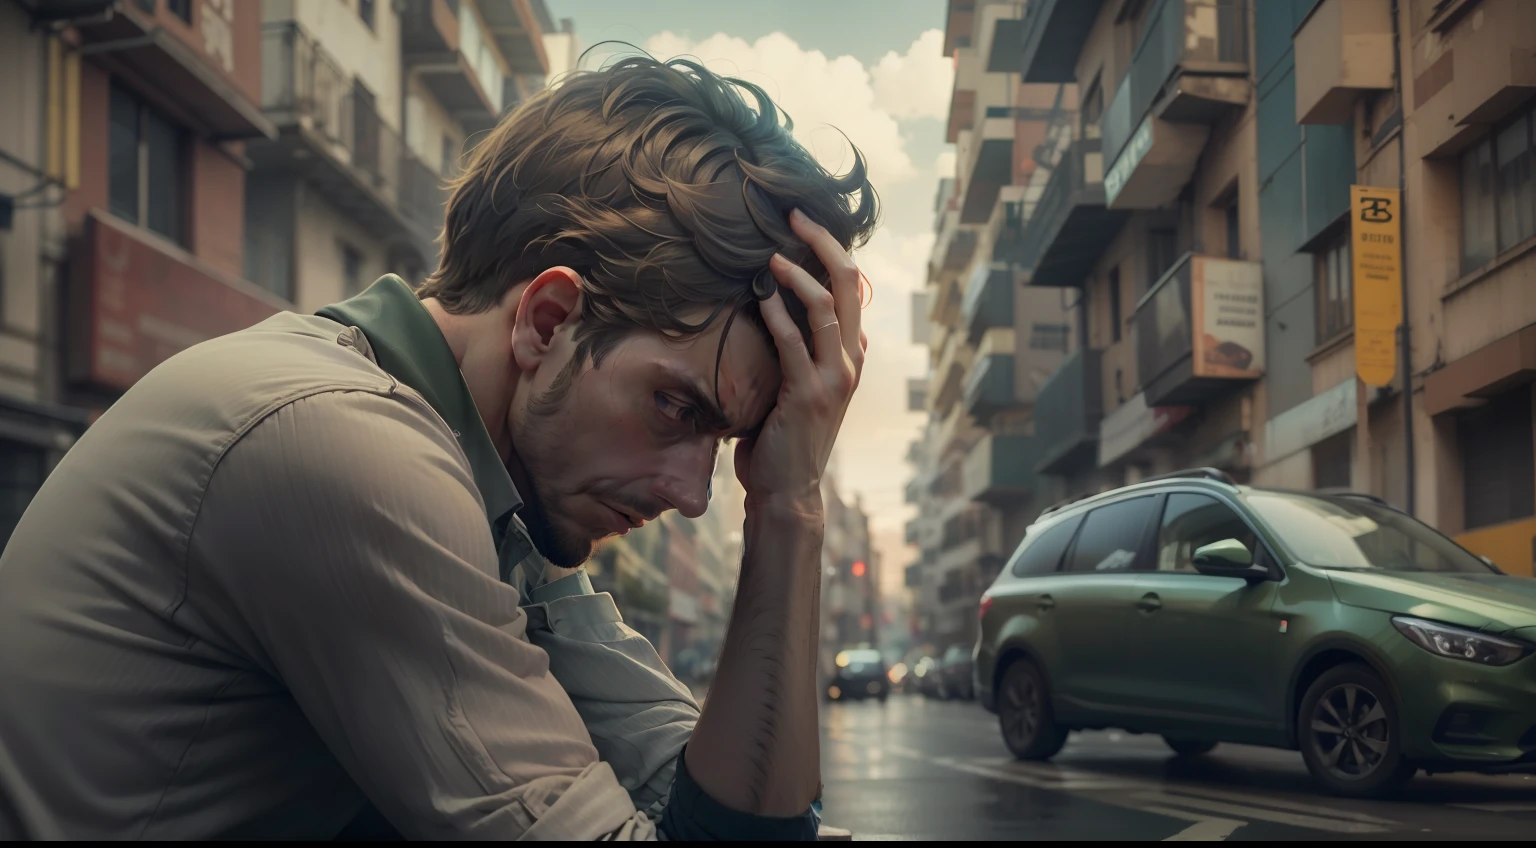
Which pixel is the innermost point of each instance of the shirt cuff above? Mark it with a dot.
(691, 815)
(570, 584)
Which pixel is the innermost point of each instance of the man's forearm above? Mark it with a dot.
(757, 746)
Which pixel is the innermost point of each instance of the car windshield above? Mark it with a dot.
(1338, 532)
(863, 657)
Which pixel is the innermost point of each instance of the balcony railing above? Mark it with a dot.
(1054, 32)
(319, 107)
(1001, 469)
(1070, 227)
(1173, 36)
(1200, 330)
(989, 388)
(1067, 415)
(987, 302)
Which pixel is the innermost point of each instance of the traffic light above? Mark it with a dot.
(858, 568)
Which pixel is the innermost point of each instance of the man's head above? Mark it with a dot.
(611, 238)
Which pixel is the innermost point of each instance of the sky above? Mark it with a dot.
(875, 70)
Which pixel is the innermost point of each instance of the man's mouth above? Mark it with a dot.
(624, 521)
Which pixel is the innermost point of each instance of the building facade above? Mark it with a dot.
(1197, 212)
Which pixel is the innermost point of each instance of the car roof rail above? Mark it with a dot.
(1206, 473)
(1349, 493)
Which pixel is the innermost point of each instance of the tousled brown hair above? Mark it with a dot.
(660, 185)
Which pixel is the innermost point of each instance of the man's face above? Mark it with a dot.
(627, 441)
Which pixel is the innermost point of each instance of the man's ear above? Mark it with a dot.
(550, 303)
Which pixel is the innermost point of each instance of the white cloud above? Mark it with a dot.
(917, 83)
(819, 93)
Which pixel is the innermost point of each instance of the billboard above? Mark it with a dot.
(1227, 299)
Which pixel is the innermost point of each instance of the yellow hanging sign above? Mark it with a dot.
(1376, 251)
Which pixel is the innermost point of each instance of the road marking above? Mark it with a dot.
(1501, 807)
(1203, 829)
(1278, 804)
(1251, 812)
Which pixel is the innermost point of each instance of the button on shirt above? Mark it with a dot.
(280, 580)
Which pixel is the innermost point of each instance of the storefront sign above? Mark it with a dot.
(1130, 426)
(145, 302)
(1376, 245)
(1227, 297)
(1302, 426)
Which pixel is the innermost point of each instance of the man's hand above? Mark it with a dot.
(757, 746)
(785, 461)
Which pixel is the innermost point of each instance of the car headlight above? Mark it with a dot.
(1460, 643)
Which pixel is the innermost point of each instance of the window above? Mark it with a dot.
(1162, 252)
(1191, 522)
(1049, 337)
(1112, 535)
(450, 157)
(1234, 233)
(1042, 554)
(1335, 289)
(351, 270)
(1114, 304)
(181, 9)
(1498, 192)
(145, 179)
(1331, 459)
(1497, 458)
(365, 11)
(21, 475)
(1093, 109)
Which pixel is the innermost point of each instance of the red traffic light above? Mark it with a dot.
(858, 568)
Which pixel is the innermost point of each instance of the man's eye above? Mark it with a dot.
(678, 412)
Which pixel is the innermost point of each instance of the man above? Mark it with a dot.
(279, 580)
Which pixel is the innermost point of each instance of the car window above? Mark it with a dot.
(1042, 553)
(1193, 521)
(1355, 533)
(1111, 536)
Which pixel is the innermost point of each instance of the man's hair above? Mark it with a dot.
(660, 185)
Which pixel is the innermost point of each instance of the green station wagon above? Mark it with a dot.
(1208, 612)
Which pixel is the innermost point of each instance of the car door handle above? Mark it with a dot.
(1149, 602)
(1045, 602)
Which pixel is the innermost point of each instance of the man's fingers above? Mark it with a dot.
(820, 308)
(844, 274)
(794, 359)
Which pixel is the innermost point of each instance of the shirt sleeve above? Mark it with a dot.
(345, 540)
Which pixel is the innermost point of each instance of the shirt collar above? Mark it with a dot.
(408, 344)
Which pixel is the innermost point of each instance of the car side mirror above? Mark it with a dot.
(1228, 558)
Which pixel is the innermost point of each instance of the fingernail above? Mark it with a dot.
(798, 215)
(779, 258)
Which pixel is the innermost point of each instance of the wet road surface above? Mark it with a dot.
(915, 768)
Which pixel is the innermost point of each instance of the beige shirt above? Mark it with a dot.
(262, 591)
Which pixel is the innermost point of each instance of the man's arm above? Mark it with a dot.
(341, 545)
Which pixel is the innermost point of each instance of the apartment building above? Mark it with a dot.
(994, 340)
(375, 104)
(124, 160)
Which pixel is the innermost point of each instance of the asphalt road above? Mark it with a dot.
(914, 768)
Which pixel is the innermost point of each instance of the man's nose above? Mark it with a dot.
(685, 483)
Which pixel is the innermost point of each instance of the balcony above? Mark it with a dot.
(458, 62)
(989, 387)
(987, 302)
(330, 134)
(1071, 226)
(1190, 70)
(514, 26)
(1067, 415)
(986, 163)
(199, 69)
(956, 430)
(1200, 330)
(955, 244)
(1002, 38)
(140, 300)
(914, 490)
(1343, 49)
(1007, 227)
(1000, 469)
(949, 373)
(1054, 32)
(913, 531)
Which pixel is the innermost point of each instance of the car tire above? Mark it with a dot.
(1349, 735)
(1024, 713)
(1188, 747)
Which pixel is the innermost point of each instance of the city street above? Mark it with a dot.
(914, 768)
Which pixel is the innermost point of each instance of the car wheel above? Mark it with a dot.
(1188, 747)
(1348, 729)
(1024, 713)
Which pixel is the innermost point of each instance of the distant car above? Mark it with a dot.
(955, 674)
(861, 673)
(1207, 612)
(924, 679)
